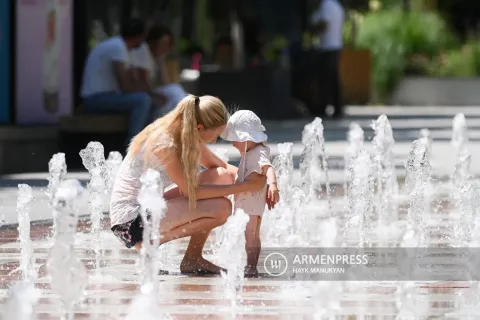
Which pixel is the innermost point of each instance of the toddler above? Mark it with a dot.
(246, 131)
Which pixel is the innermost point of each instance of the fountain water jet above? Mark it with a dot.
(283, 164)
(387, 185)
(57, 168)
(462, 179)
(93, 159)
(232, 255)
(282, 217)
(63, 265)
(360, 196)
(355, 137)
(27, 260)
(310, 165)
(418, 174)
(153, 207)
(21, 302)
(222, 153)
(112, 164)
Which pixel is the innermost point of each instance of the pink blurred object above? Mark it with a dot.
(196, 61)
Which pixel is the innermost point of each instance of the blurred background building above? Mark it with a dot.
(254, 54)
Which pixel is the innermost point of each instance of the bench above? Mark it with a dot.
(76, 131)
(83, 123)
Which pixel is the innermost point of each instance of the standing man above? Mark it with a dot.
(328, 22)
(108, 85)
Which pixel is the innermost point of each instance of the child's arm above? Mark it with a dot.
(271, 177)
(273, 195)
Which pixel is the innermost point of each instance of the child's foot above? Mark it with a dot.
(251, 272)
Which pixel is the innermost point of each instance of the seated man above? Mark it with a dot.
(108, 86)
(150, 70)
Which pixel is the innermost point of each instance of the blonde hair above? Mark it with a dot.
(181, 125)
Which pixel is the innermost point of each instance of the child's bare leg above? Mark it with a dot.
(252, 245)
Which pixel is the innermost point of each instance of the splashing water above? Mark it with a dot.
(145, 307)
(404, 297)
(284, 221)
(27, 259)
(93, 159)
(462, 179)
(429, 189)
(310, 165)
(283, 164)
(57, 169)
(21, 302)
(387, 185)
(425, 133)
(459, 143)
(153, 207)
(63, 265)
(232, 254)
(113, 163)
(418, 174)
(222, 153)
(360, 196)
(459, 132)
(355, 139)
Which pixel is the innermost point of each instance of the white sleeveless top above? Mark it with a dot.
(124, 206)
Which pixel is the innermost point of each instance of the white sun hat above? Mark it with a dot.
(244, 125)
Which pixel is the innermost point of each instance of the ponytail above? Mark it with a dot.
(178, 130)
(190, 147)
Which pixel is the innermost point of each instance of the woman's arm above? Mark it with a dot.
(209, 160)
(174, 170)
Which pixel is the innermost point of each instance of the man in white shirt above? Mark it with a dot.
(328, 22)
(108, 85)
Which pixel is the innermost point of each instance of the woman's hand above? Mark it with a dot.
(273, 196)
(254, 182)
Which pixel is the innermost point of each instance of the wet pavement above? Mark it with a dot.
(110, 294)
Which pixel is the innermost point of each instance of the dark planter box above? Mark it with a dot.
(264, 90)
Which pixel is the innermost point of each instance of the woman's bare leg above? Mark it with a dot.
(180, 222)
(193, 259)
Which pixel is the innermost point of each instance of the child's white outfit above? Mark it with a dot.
(244, 125)
(253, 160)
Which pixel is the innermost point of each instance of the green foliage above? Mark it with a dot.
(394, 36)
(462, 62)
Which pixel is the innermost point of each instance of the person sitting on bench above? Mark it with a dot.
(150, 69)
(108, 85)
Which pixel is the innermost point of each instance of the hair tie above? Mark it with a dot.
(197, 109)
